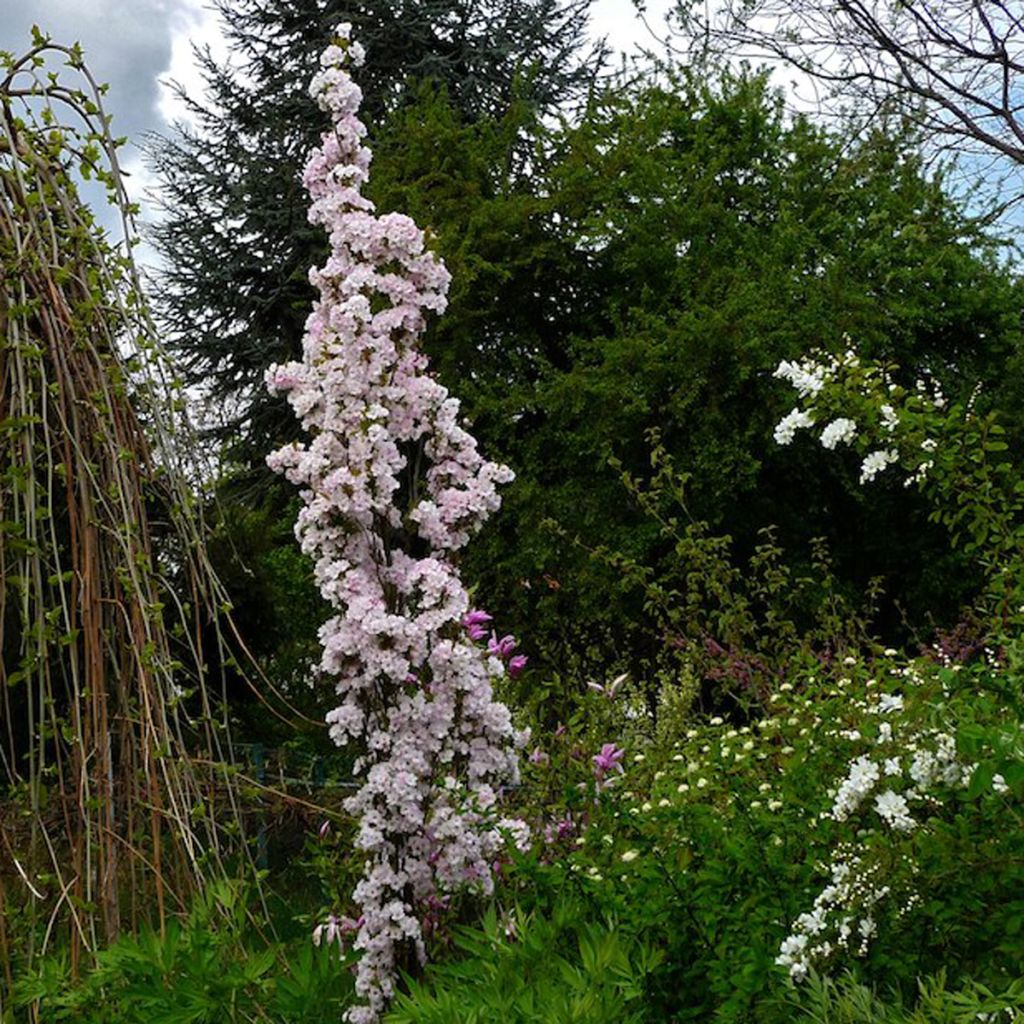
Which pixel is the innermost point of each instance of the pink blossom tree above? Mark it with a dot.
(393, 487)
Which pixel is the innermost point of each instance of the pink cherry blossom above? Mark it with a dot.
(415, 693)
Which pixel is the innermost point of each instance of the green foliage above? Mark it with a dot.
(278, 611)
(846, 1002)
(643, 265)
(956, 454)
(710, 237)
(711, 846)
(529, 968)
(730, 845)
(211, 967)
(733, 628)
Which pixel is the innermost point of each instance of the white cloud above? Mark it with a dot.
(625, 30)
(194, 25)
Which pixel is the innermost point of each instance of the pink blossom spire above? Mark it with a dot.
(415, 691)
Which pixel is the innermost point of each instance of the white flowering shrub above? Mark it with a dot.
(894, 787)
(955, 452)
(863, 822)
(854, 400)
(392, 487)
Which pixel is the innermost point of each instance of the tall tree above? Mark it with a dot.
(716, 237)
(235, 239)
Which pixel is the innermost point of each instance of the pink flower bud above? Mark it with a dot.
(516, 665)
(501, 648)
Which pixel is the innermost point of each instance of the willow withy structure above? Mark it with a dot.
(106, 601)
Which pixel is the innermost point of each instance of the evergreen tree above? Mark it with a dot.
(235, 239)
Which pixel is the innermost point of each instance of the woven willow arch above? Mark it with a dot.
(109, 810)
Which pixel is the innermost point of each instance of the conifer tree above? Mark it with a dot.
(235, 238)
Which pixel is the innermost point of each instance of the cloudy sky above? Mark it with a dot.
(135, 45)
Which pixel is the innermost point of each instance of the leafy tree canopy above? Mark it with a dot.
(709, 237)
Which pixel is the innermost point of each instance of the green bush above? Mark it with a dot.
(846, 1002)
(213, 967)
(529, 968)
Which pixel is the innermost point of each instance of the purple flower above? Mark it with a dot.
(503, 647)
(538, 756)
(516, 664)
(559, 830)
(608, 759)
(325, 830)
(475, 623)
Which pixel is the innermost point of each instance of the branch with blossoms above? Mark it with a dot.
(893, 791)
(858, 404)
(392, 487)
(955, 453)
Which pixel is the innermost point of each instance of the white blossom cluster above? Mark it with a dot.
(786, 428)
(927, 759)
(900, 771)
(807, 376)
(812, 376)
(840, 431)
(876, 461)
(840, 919)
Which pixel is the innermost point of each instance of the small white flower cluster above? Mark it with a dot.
(931, 391)
(894, 810)
(883, 782)
(928, 445)
(841, 917)
(808, 377)
(821, 373)
(786, 428)
(860, 780)
(888, 702)
(875, 462)
(839, 431)
(930, 768)
(933, 762)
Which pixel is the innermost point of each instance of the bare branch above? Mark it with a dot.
(953, 67)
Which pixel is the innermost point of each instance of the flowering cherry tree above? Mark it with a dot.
(392, 487)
